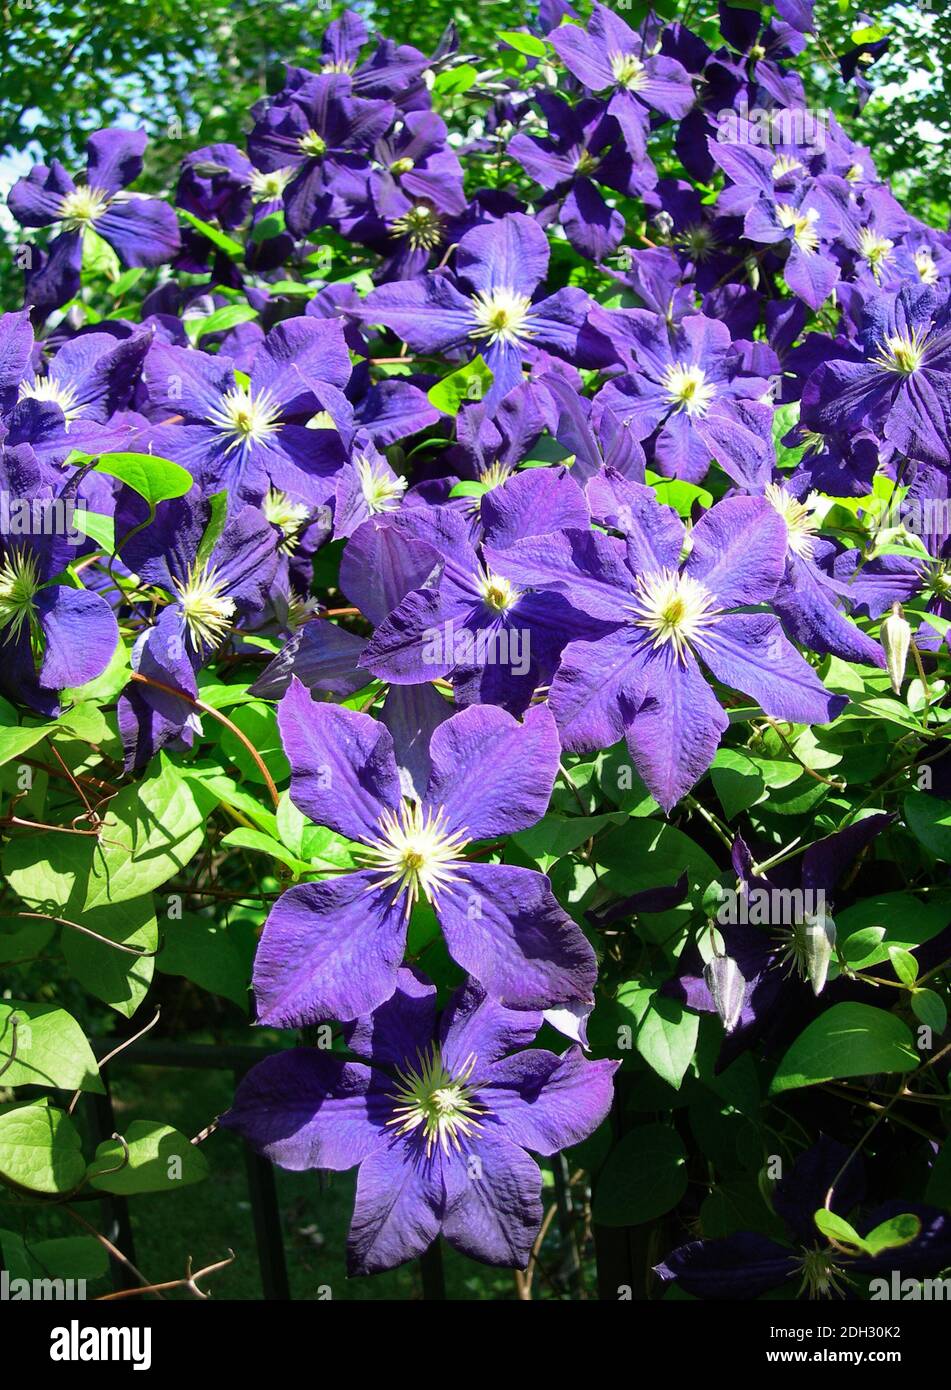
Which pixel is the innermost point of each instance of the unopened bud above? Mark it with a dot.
(817, 946)
(896, 639)
(727, 987)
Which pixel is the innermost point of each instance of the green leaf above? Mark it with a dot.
(528, 44)
(643, 1177)
(40, 1149)
(17, 739)
(454, 81)
(737, 781)
(929, 820)
(256, 840)
(469, 383)
(847, 1040)
(220, 321)
(213, 532)
(868, 929)
(152, 831)
(904, 964)
(893, 1234)
(158, 1159)
(231, 248)
(211, 954)
(555, 836)
(121, 980)
(667, 1038)
(836, 1228)
(62, 1257)
(101, 529)
(51, 1049)
(153, 478)
(930, 1009)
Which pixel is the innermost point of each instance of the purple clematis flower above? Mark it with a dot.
(643, 679)
(902, 388)
(684, 388)
(488, 306)
(495, 641)
(205, 594)
(333, 948)
(610, 55)
(747, 1265)
(278, 429)
(318, 135)
(440, 1122)
(52, 635)
(584, 147)
(807, 221)
(142, 231)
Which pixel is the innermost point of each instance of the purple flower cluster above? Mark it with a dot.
(537, 569)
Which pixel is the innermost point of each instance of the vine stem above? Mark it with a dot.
(222, 719)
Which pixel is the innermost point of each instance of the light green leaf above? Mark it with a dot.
(667, 1038)
(158, 1159)
(469, 383)
(51, 1048)
(846, 1040)
(40, 1149)
(155, 479)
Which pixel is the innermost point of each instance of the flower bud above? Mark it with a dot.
(817, 943)
(726, 984)
(896, 639)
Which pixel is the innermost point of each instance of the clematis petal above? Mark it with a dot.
(503, 925)
(545, 1102)
(343, 772)
(306, 1109)
(491, 774)
(329, 950)
(749, 652)
(498, 1211)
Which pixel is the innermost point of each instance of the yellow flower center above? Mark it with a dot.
(925, 266)
(312, 144)
(422, 225)
(247, 418)
(82, 207)
(801, 224)
(415, 851)
(19, 583)
(628, 71)
(61, 393)
(674, 608)
(799, 517)
(873, 248)
(206, 610)
(381, 492)
(440, 1105)
(498, 593)
(902, 352)
(265, 188)
(502, 316)
(687, 388)
(289, 517)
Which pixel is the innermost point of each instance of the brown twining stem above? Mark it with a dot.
(115, 1252)
(189, 1282)
(108, 1058)
(82, 777)
(222, 719)
(88, 931)
(342, 613)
